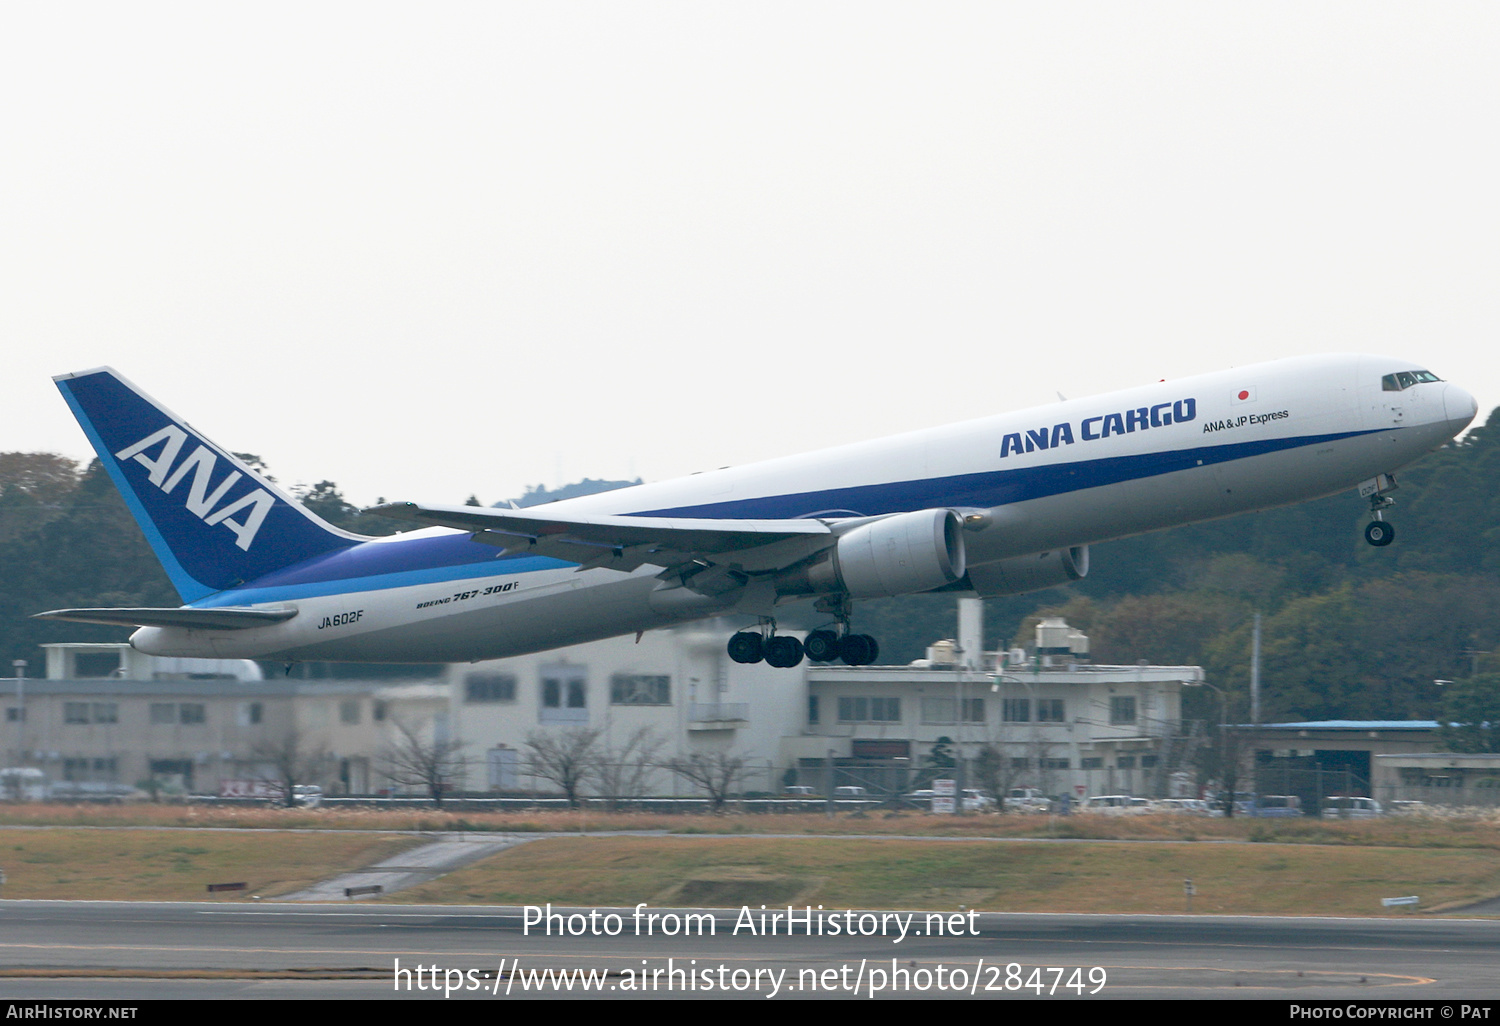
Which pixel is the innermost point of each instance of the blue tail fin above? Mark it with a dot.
(212, 521)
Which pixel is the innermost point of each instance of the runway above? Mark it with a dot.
(137, 950)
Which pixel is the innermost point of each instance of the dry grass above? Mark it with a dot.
(156, 865)
(1020, 877)
(1480, 831)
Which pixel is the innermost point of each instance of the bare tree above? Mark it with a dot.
(566, 758)
(1224, 760)
(995, 770)
(297, 759)
(431, 762)
(622, 772)
(716, 774)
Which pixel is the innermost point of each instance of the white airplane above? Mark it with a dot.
(1001, 505)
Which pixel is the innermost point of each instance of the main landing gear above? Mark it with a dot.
(1378, 532)
(784, 651)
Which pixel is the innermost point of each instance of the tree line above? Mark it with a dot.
(1349, 631)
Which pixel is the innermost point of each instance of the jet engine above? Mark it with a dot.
(896, 555)
(1029, 573)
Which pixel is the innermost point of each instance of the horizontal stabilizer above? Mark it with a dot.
(229, 618)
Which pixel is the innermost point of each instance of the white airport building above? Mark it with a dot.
(648, 716)
(1048, 717)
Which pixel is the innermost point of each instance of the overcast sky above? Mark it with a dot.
(429, 250)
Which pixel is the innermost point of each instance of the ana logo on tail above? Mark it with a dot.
(200, 502)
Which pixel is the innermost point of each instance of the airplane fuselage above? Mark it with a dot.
(1050, 478)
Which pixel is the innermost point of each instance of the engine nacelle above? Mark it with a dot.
(897, 555)
(1029, 573)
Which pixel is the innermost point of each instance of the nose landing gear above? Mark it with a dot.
(1378, 532)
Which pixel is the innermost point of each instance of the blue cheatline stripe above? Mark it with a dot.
(383, 565)
(381, 582)
(997, 487)
(188, 587)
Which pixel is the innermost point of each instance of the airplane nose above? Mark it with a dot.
(1459, 406)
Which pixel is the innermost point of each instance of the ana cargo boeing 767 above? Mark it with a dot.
(1005, 504)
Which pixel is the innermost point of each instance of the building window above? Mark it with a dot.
(1148, 762)
(869, 710)
(1050, 710)
(640, 689)
(564, 695)
(937, 710)
(1093, 762)
(163, 712)
(973, 709)
(192, 713)
(90, 712)
(1122, 709)
(1016, 710)
(378, 712)
(812, 709)
(489, 687)
(1054, 763)
(250, 714)
(15, 714)
(1124, 762)
(349, 711)
(1020, 764)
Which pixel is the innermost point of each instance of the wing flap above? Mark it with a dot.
(615, 542)
(228, 618)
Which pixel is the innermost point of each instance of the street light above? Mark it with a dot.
(1031, 711)
(19, 665)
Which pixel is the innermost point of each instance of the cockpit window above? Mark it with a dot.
(1402, 380)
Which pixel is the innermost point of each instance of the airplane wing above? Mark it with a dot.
(626, 543)
(227, 618)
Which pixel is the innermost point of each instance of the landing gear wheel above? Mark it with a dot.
(783, 651)
(1379, 533)
(747, 647)
(822, 646)
(858, 649)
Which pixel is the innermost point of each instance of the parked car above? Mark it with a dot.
(23, 783)
(1274, 806)
(90, 790)
(850, 791)
(976, 800)
(1115, 805)
(798, 791)
(1340, 806)
(1027, 799)
(309, 796)
(1184, 806)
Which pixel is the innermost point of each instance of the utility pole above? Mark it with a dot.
(1255, 672)
(20, 668)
